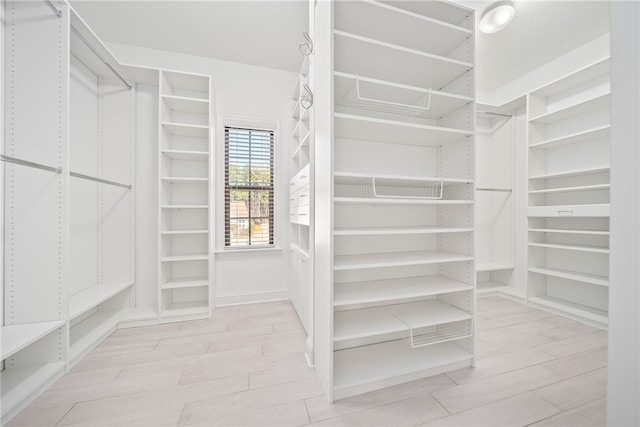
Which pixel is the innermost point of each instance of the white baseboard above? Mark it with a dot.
(253, 297)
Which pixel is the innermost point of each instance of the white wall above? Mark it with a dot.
(241, 90)
(624, 292)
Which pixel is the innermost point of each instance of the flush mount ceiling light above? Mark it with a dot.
(496, 16)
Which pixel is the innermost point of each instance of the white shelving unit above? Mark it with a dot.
(495, 219)
(185, 287)
(568, 246)
(394, 252)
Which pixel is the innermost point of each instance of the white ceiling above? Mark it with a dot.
(267, 32)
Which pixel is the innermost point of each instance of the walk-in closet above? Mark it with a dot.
(331, 212)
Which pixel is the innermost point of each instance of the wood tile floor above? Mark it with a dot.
(246, 368)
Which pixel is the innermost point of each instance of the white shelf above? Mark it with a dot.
(186, 155)
(185, 206)
(352, 126)
(366, 368)
(354, 53)
(598, 132)
(190, 82)
(573, 110)
(91, 331)
(196, 282)
(578, 248)
(377, 291)
(578, 310)
(572, 275)
(303, 143)
(185, 129)
(394, 201)
(184, 180)
(572, 189)
(600, 210)
(368, 322)
(382, 231)
(180, 232)
(18, 337)
(89, 298)
(492, 266)
(186, 310)
(21, 384)
(486, 286)
(383, 20)
(578, 172)
(399, 180)
(175, 258)
(442, 103)
(590, 72)
(187, 104)
(395, 259)
(569, 231)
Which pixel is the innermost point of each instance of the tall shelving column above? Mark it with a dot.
(401, 256)
(569, 165)
(34, 336)
(185, 197)
(301, 199)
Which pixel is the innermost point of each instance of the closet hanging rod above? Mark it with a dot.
(92, 49)
(494, 114)
(504, 190)
(100, 180)
(53, 7)
(21, 162)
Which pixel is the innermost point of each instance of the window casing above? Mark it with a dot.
(249, 187)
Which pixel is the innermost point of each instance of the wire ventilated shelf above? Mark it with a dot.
(355, 99)
(429, 335)
(428, 190)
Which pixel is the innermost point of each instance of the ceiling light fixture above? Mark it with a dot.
(496, 16)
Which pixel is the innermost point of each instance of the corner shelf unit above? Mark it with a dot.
(569, 182)
(400, 262)
(184, 291)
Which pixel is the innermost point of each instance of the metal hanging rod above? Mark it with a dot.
(92, 49)
(504, 190)
(53, 7)
(494, 114)
(21, 162)
(100, 180)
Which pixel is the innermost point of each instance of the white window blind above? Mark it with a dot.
(248, 187)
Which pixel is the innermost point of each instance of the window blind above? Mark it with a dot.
(249, 187)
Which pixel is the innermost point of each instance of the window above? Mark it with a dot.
(249, 187)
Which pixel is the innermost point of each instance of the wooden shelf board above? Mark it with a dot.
(558, 305)
(185, 206)
(571, 275)
(187, 104)
(569, 231)
(598, 132)
(576, 78)
(389, 290)
(24, 383)
(572, 189)
(184, 180)
(90, 332)
(577, 211)
(188, 81)
(18, 337)
(492, 266)
(577, 172)
(186, 154)
(396, 180)
(91, 297)
(395, 259)
(381, 231)
(399, 202)
(352, 126)
(194, 257)
(186, 310)
(579, 248)
(195, 282)
(368, 322)
(375, 366)
(179, 232)
(186, 129)
(442, 103)
(573, 110)
(354, 53)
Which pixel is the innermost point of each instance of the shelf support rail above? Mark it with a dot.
(504, 190)
(100, 180)
(53, 7)
(21, 162)
(92, 49)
